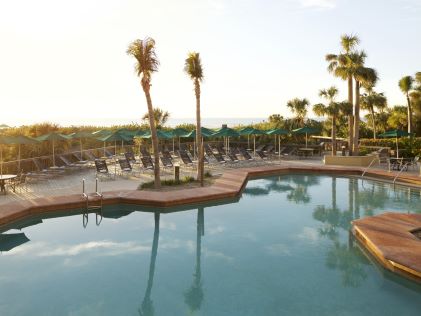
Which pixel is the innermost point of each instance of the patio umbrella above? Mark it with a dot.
(4, 126)
(252, 131)
(4, 140)
(395, 134)
(10, 241)
(277, 132)
(226, 132)
(102, 133)
(114, 137)
(23, 140)
(79, 135)
(53, 137)
(178, 132)
(305, 130)
(246, 131)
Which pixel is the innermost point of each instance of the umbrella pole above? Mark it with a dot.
(81, 149)
(104, 150)
(275, 142)
(173, 140)
(19, 160)
(54, 155)
(1, 160)
(254, 144)
(115, 148)
(306, 140)
(397, 148)
(279, 146)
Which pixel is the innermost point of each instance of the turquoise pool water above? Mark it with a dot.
(283, 249)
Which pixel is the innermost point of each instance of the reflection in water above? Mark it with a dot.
(147, 308)
(345, 257)
(193, 297)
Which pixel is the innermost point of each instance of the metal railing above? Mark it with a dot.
(402, 168)
(369, 166)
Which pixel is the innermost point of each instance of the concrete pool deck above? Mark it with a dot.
(386, 236)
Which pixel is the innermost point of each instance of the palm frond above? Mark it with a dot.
(146, 60)
(406, 84)
(349, 42)
(193, 66)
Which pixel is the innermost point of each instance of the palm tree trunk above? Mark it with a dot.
(350, 117)
(357, 118)
(157, 182)
(373, 120)
(409, 114)
(334, 135)
(200, 163)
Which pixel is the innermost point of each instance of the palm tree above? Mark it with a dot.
(299, 108)
(340, 67)
(146, 64)
(193, 68)
(372, 100)
(160, 117)
(406, 84)
(331, 110)
(365, 77)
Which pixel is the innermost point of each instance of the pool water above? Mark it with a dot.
(283, 249)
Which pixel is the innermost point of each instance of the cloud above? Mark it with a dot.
(309, 234)
(318, 4)
(278, 250)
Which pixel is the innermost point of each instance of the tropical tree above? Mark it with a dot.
(365, 77)
(160, 117)
(193, 68)
(299, 108)
(406, 84)
(331, 110)
(146, 64)
(398, 118)
(370, 101)
(340, 66)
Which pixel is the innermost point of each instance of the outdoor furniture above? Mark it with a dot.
(261, 154)
(79, 158)
(144, 152)
(108, 154)
(68, 164)
(166, 162)
(414, 162)
(245, 154)
(233, 157)
(167, 155)
(221, 150)
(261, 147)
(90, 155)
(219, 158)
(288, 151)
(3, 179)
(102, 169)
(185, 158)
(305, 152)
(18, 182)
(43, 170)
(399, 163)
(147, 163)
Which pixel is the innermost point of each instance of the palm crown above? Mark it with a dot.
(193, 66)
(147, 61)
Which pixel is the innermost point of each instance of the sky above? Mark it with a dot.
(66, 61)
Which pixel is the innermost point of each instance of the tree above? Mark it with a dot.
(363, 76)
(160, 117)
(398, 118)
(331, 110)
(146, 64)
(370, 101)
(299, 108)
(406, 84)
(193, 68)
(340, 67)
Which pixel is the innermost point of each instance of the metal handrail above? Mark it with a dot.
(371, 163)
(405, 166)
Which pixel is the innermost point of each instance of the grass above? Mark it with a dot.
(172, 182)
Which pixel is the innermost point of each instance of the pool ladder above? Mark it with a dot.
(369, 166)
(90, 205)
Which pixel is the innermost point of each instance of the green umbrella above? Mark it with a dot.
(226, 132)
(178, 132)
(160, 133)
(79, 135)
(114, 137)
(277, 132)
(206, 133)
(53, 137)
(23, 140)
(305, 130)
(102, 133)
(4, 126)
(4, 140)
(395, 134)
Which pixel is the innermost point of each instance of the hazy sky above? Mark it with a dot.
(65, 61)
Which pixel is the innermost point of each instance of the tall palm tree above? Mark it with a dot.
(146, 64)
(363, 76)
(160, 117)
(340, 67)
(372, 100)
(331, 110)
(299, 108)
(406, 84)
(193, 68)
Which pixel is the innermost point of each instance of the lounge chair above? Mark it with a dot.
(269, 149)
(289, 151)
(413, 163)
(261, 154)
(18, 182)
(167, 155)
(208, 150)
(109, 154)
(147, 163)
(102, 169)
(68, 164)
(233, 157)
(43, 170)
(90, 155)
(166, 162)
(245, 154)
(219, 158)
(221, 150)
(185, 158)
(79, 159)
(130, 156)
(260, 147)
(144, 152)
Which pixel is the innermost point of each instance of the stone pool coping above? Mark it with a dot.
(394, 248)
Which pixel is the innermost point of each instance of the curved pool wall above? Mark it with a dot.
(228, 186)
(284, 248)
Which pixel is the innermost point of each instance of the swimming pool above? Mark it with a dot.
(283, 249)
